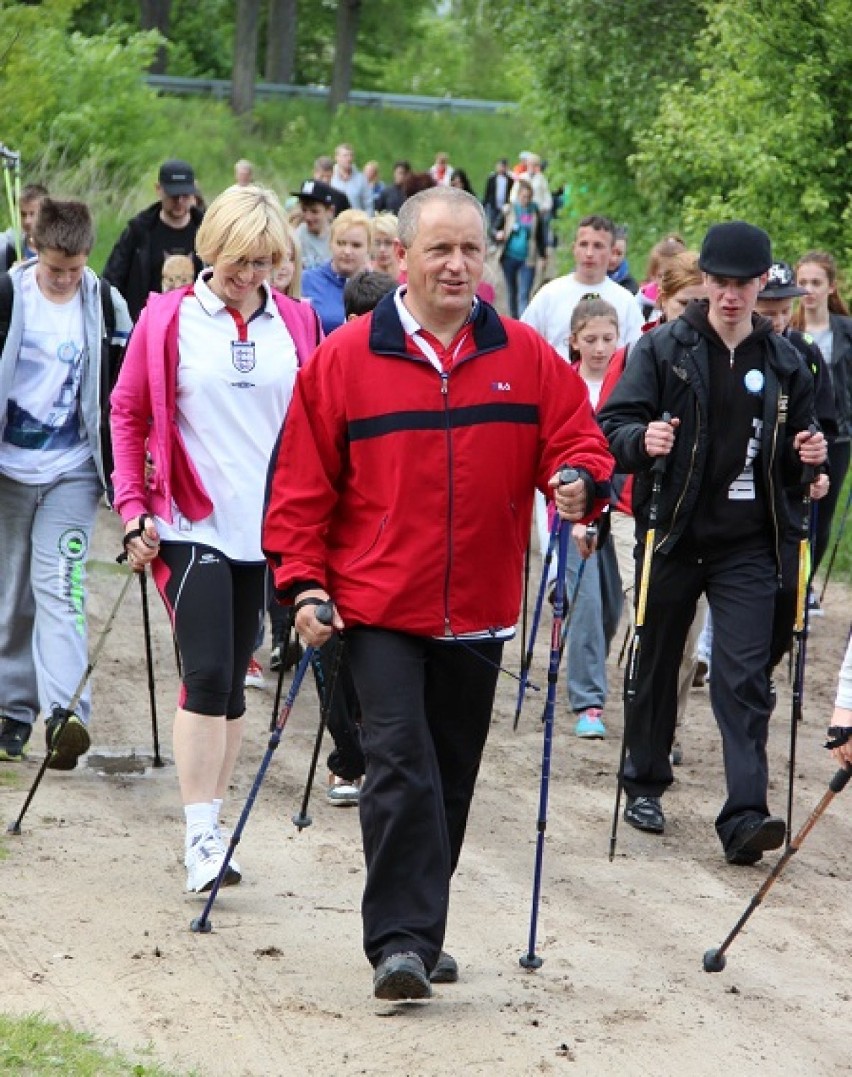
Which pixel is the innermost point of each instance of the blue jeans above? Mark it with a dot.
(597, 611)
(519, 280)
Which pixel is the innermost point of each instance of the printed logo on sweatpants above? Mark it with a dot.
(208, 559)
(73, 545)
(742, 488)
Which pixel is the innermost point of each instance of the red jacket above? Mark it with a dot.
(408, 494)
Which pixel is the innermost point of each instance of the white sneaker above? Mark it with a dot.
(203, 862)
(254, 675)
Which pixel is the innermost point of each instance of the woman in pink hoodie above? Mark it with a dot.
(204, 390)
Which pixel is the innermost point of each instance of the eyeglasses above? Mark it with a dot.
(256, 265)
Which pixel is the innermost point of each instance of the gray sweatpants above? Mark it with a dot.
(45, 532)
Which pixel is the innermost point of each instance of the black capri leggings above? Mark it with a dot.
(215, 606)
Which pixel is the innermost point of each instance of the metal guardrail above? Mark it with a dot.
(221, 88)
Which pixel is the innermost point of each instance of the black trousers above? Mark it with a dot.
(741, 590)
(425, 710)
(346, 759)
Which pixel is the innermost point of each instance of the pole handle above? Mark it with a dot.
(324, 612)
(662, 462)
(567, 475)
(840, 780)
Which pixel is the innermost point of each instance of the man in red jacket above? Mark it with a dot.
(403, 488)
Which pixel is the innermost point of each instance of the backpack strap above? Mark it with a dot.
(6, 297)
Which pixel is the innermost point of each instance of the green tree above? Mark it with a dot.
(763, 133)
(594, 72)
(66, 97)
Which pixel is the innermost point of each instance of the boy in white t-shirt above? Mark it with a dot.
(55, 372)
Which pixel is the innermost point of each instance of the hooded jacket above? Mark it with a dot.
(407, 493)
(669, 372)
(128, 267)
(144, 410)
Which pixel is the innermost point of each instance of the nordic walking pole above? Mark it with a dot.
(15, 827)
(149, 660)
(658, 470)
(201, 924)
(714, 960)
(800, 632)
(562, 531)
(301, 819)
(837, 541)
(569, 612)
(526, 662)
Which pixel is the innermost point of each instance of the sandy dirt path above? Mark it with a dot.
(94, 924)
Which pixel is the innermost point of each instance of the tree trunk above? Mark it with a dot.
(245, 56)
(154, 15)
(348, 12)
(281, 41)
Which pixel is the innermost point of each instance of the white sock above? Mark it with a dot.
(199, 821)
(217, 807)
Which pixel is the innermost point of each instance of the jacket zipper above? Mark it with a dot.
(445, 392)
(659, 545)
(771, 479)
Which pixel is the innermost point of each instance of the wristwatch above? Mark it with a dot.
(838, 735)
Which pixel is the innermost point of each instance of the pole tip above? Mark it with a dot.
(14, 828)
(301, 821)
(714, 961)
(530, 961)
(201, 926)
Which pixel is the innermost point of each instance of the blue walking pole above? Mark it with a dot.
(562, 532)
(201, 924)
(526, 661)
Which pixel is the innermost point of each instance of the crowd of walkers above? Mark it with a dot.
(291, 405)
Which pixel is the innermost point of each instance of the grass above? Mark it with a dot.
(32, 1046)
(282, 139)
(842, 569)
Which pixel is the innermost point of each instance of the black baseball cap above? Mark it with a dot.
(177, 177)
(780, 283)
(316, 191)
(735, 249)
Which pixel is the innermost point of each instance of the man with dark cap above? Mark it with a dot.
(729, 404)
(320, 204)
(135, 264)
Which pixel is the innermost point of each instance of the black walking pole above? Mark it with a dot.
(837, 540)
(800, 633)
(15, 827)
(562, 531)
(201, 924)
(714, 960)
(149, 659)
(526, 661)
(301, 819)
(658, 470)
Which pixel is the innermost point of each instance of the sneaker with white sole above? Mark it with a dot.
(203, 863)
(342, 793)
(254, 675)
(590, 724)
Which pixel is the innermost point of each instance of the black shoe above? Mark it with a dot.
(446, 970)
(13, 739)
(645, 813)
(400, 977)
(67, 739)
(754, 837)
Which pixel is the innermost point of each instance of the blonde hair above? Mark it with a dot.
(243, 222)
(828, 265)
(178, 271)
(384, 224)
(588, 307)
(294, 288)
(351, 218)
(662, 253)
